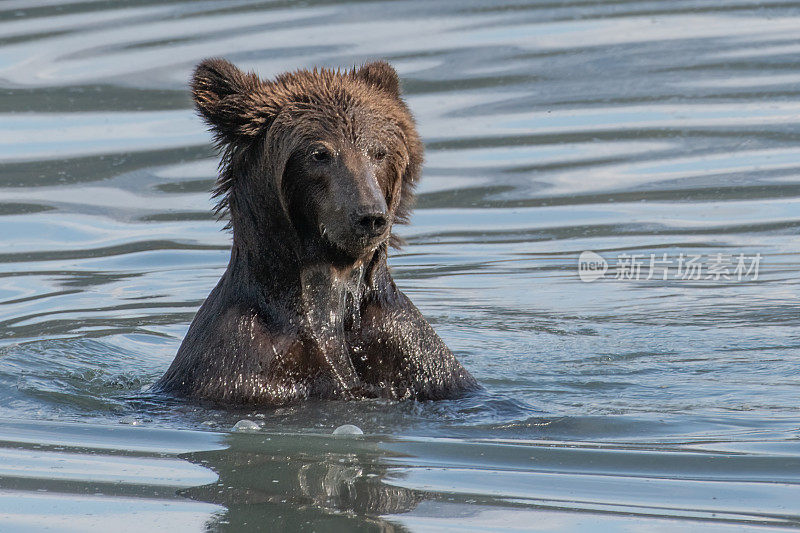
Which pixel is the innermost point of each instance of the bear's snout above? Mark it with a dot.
(370, 223)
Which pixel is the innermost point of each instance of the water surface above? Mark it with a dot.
(626, 127)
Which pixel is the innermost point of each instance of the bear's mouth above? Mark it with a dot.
(351, 251)
(331, 243)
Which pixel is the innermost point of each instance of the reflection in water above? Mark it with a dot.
(271, 481)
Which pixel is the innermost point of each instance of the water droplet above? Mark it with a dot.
(245, 426)
(348, 429)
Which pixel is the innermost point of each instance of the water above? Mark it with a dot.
(621, 127)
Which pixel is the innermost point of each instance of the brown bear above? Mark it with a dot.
(317, 166)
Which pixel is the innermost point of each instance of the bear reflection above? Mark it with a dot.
(283, 482)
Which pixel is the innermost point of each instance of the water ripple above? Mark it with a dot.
(625, 127)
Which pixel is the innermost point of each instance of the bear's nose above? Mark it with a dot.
(372, 224)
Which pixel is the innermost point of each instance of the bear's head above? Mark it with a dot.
(327, 158)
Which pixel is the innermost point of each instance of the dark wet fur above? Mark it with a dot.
(307, 307)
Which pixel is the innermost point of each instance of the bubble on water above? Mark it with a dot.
(348, 429)
(245, 425)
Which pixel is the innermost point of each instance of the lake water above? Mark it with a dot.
(651, 133)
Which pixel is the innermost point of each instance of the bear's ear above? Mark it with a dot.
(228, 99)
(381, 75)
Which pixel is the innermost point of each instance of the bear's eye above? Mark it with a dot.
(321, 155)
(379, 154)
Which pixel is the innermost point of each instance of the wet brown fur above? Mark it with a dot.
(307, 307)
